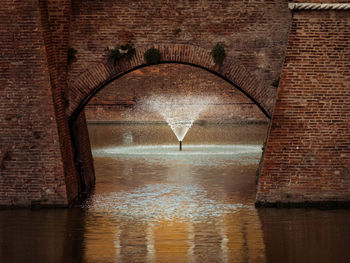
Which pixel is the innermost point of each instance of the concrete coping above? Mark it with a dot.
(316, 6)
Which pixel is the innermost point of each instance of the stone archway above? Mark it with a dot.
(99, 75)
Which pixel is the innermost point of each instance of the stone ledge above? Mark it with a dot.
(315, 6)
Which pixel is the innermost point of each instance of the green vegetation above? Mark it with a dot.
(71, 55)
(276, 82)
(218, 53)
(121, 51)
(152, 56)
(177, 31)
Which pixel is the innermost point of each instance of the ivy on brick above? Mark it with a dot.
(152, 56)
(276, 82)
(71, 55)
(218, 53)
(177, 31)
(121, 51)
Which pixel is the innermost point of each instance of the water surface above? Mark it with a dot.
(153, 203)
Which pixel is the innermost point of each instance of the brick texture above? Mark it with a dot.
(255, 32)
(96, 76)
(55, 19)
(255, 35)
(31, 169)
(37, 163)
(307, 156)
(124, 99)
(45, 156)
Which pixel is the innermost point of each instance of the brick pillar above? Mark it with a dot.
(31, 161)
(55, 19)
(307, 156)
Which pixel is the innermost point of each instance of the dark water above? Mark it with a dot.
(153, 203)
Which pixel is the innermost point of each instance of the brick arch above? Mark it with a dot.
(99, 75)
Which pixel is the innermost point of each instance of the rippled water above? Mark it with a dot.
(178, 193)
(153, 203)
(187, 206)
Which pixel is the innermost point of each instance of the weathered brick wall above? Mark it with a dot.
(307, 156)
(125, 98)
(55, 18)
(31, 169)
(254, 33)
(36, 154)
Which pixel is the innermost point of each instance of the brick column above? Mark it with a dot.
(307, 156)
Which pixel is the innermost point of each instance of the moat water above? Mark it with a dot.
(153, 203)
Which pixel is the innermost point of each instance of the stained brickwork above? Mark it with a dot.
(37, 164)
(255, 35)
(255, 32)
(125, 98)
(45, 158)
(55, 18)
(307, 156)
(31, 169)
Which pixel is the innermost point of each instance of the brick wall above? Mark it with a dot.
(55, 18)
(31, 162)
(307, 153)
(124, 99)
(254, 32)
(36, 155)
(307, 156)
(255, 35)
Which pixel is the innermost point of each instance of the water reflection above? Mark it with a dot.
(234, 238)
(306, 235)
(174, 208)
(168, 206)
(42, 235)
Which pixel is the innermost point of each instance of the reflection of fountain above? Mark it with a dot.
(180, 112)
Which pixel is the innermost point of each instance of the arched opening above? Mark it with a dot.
(89, 82)
(77, 120)
(98, 75)
(81, 143)
(152, 174)
(85, 100)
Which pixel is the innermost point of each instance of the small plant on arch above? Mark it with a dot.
(121, 51)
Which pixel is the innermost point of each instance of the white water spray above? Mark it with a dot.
(180, 112)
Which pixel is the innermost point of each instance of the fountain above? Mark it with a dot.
(180, 112)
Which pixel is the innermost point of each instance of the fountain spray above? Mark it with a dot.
(179, 112)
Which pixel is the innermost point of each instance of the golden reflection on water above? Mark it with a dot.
(174, 208)
(233, 238)
(153, 204)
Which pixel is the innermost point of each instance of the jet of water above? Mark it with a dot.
(180, 112)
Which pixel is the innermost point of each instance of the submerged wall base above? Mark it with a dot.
(321, 205)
